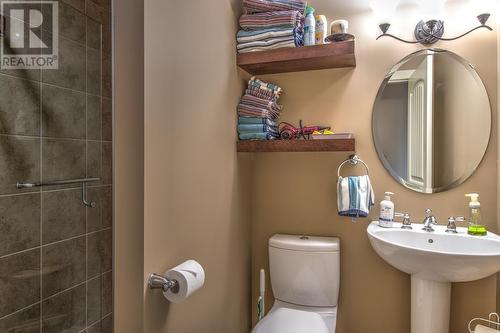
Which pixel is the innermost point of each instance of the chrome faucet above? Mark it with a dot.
(429, 221)
(452, 224)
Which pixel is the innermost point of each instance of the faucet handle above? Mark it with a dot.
(452, 225)
(406, 220)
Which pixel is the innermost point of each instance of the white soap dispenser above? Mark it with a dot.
(386, 218)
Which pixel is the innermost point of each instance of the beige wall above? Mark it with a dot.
(129, 165)
(295, 193)
(197, 194)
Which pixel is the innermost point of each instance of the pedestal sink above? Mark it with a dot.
(435, 260)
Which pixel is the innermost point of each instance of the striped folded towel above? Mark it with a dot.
(272, 90)
(256, 121)
(257, 136)
(245, 36)
(355, 196)
(252, 111)
(269, 95)
(283, 19)
(258, 102)
(248, 36)
(267, 48)
(275, 43)
(254, 6)
(254, 128)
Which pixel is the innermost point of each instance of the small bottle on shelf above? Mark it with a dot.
(309, 27)
(321, 29)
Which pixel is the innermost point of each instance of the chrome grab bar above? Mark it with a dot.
(83, 181)
(20, 185)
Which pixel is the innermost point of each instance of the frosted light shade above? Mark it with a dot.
(431, 9)
(384, 10)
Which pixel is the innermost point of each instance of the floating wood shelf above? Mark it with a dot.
(275, 146)
(307, 58)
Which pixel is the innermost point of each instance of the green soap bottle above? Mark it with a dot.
(475, 227)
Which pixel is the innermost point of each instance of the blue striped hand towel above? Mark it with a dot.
(252, 128)
(256, 121)
(257, 136)
(355, 196)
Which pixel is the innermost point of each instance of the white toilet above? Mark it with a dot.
(305, 278)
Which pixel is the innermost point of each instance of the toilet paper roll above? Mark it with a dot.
(484, 329)
(190, 277)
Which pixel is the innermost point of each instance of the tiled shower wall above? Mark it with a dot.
(55, 254)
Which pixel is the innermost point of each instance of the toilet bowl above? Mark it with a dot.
(305, 279)
(289, 318)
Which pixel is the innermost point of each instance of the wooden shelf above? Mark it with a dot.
(307, 58)
(275, 146)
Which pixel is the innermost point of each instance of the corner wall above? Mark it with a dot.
(197, 203)
(128, 164)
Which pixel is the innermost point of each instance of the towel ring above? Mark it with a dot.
(493, 322)
(354, 160)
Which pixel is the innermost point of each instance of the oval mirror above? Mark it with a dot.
(431, 121)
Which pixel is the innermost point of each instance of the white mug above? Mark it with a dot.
(339, 27)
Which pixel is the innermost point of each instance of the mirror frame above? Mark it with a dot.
(379, 149)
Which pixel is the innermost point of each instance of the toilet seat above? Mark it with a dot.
(285, 320)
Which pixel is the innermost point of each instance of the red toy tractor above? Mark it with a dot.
(290, 132)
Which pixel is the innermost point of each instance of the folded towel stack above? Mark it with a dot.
(259, 111)
(271, 24)
(355, 196)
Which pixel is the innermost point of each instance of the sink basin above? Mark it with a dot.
(437, 255)
(434, 260)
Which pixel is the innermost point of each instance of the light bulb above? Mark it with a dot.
(384, 10)
(432, 9)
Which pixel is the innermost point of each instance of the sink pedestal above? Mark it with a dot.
(430, 306)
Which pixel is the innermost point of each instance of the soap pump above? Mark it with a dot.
(475, 227)
(386, 218)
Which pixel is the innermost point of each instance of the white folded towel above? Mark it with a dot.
(355, 196)
(484, 329)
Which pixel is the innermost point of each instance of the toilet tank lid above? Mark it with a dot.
(305, 243)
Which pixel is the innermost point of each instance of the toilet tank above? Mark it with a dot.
(305, 270)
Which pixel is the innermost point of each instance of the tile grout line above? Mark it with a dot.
(41, 83)
(41, 137)
(56, 242)
(22, 309)
(87, 174)
(57, 294)
(41, 202)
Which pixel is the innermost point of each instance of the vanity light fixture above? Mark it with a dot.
(431, 31)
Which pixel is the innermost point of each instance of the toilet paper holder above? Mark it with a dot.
(157, 281)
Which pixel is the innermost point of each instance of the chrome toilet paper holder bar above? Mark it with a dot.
(157, 281)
